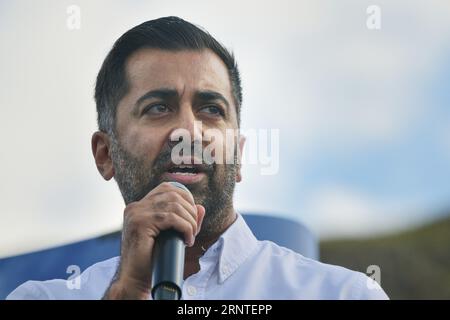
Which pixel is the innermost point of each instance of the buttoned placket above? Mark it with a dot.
(194, 287)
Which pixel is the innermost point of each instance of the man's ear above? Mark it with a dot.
(241, 149)
(100, 149)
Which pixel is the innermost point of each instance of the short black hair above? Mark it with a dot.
(167, 33)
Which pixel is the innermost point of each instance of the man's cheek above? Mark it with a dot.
(216, 150)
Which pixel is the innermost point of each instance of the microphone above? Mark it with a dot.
(168, 262)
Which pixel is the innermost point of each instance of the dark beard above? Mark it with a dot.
(136, 178)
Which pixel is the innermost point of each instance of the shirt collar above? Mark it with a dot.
(232, 248)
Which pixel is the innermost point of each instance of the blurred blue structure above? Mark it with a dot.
(52, 263)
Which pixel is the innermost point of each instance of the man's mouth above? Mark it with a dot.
(185, 173)
(184, 170)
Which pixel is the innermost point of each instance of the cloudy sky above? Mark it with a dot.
(363, 115)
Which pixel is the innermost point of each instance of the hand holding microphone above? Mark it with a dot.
(168, 262)
(167, 207)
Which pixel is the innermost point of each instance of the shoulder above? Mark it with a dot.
(324, 281)
(90, 284)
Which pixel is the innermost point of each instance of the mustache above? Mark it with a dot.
(164, 159)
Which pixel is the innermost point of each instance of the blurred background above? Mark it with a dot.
(363, 114)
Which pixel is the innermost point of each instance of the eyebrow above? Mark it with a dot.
(169, 93)
(208, 95)
(161, 93)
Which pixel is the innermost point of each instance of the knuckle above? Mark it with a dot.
(173, 196)
(177, 207)
(189, 228)
(160, 216)
(166, 184)
(159, 205)
(134, 220)
(129, 209)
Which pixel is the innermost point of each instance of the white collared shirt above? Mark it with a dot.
(237, 266)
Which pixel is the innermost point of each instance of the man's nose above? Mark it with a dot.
(187, 124)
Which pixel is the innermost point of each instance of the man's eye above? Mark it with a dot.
(213, 110)
(156, 109)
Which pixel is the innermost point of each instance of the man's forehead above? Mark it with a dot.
(153, 68)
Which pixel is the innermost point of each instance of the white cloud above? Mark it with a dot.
(339, 211)
(341, 84)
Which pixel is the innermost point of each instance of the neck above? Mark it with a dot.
(202, 243)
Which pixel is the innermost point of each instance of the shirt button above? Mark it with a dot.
(191, 290)
(225, 270)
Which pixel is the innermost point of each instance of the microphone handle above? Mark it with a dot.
(168, 268)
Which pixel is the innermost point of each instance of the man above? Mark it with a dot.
(162, 76)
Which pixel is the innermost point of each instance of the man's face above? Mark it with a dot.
(169, 91)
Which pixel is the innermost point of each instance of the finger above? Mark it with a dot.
(167, 186)
(200, 216)
(178, 209)
(181, 225)
(162, 200)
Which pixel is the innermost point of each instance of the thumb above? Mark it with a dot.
(200, 215)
